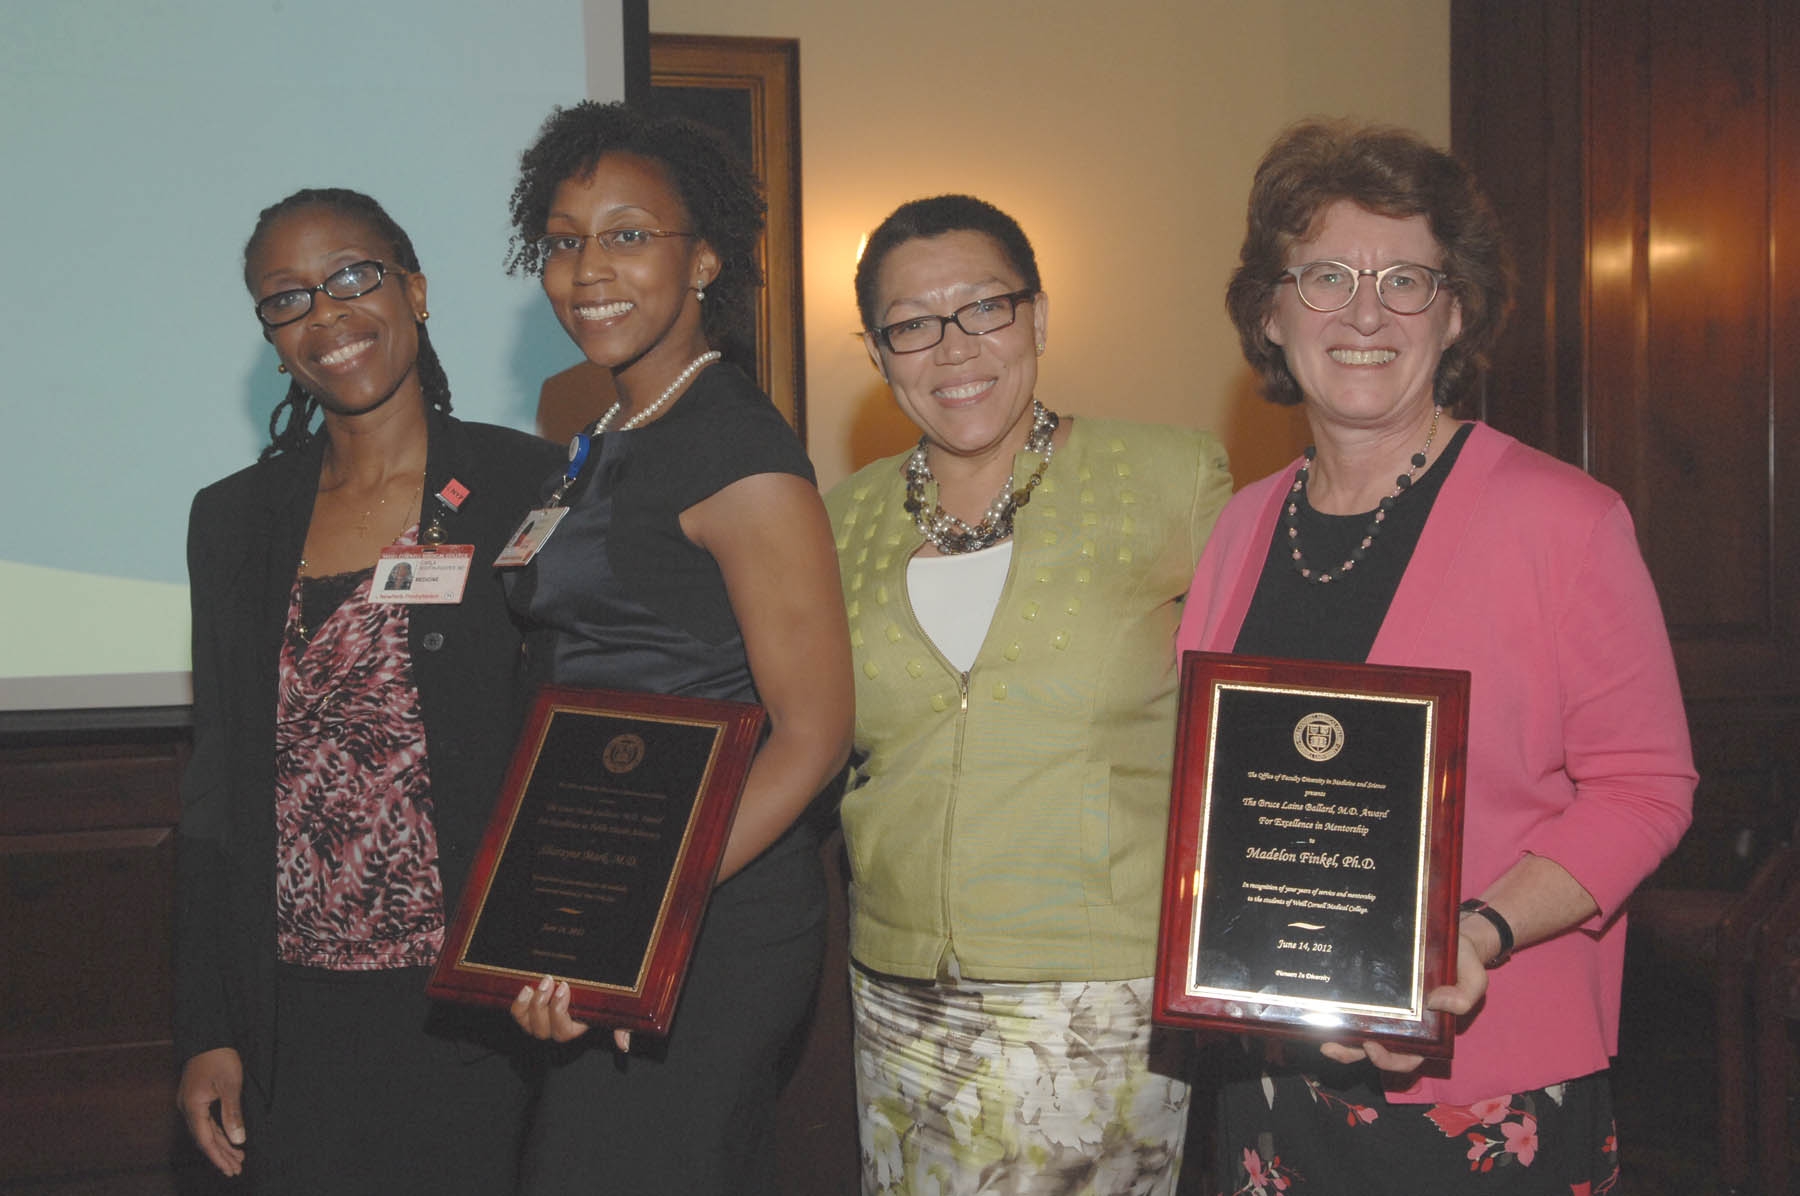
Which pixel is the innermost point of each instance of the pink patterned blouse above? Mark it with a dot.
(356, 885)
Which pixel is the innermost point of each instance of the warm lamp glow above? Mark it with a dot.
(860, 246)
(1610, 260)
(1613, 259)
(1669, 250)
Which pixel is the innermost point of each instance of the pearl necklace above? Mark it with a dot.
(693, 367)
(1290, 517)
(950, 535)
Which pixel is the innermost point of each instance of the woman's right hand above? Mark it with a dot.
(215, 1076)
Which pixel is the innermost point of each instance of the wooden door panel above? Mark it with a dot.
(1674, 295)
(1696, 447)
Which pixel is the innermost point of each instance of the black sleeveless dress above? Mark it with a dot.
(632, 604)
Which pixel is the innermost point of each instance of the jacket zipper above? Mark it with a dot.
(962, 713)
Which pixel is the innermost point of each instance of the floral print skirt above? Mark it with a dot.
(1016, 1089)
(1329, 1131)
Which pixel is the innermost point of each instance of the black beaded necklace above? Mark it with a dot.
(1291, 513)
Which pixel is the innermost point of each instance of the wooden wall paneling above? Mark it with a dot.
(1748, 756)
(1657, 341)
(1511, 392)
(1565, 214)
(1531, 55)
(1616, 159)
(1782, 668)
(81, 1116)
(1666, 326)
(87, 862)
(1694, 453)
(94, 785)
(87, 928)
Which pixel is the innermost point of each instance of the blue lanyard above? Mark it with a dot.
(579, 447)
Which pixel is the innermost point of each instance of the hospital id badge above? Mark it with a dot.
(529, 537)
(427, 574)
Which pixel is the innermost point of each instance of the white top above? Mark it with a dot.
(954, 598)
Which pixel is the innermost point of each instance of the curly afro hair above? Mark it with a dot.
(290, 424)
(721, 196)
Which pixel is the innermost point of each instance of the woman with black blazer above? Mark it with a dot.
(350, 740)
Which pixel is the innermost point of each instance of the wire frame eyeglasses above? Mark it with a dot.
(977, 319)
(618, 242)
(1404, 288)
(352, 282)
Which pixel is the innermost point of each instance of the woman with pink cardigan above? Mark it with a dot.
(1371, 285)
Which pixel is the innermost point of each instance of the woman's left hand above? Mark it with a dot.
(1457, 999)
(542, 1011)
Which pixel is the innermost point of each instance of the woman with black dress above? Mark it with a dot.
(695, 559)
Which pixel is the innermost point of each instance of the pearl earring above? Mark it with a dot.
(281, 367)
(700, 292)
(423, 316)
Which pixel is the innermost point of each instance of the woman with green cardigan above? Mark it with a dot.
(1013, 586)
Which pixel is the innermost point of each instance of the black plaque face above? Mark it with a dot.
(1314, 850)
(597, 835)
(600, 856)
(1313, 857)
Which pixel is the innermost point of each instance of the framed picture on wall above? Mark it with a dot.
(749, 89)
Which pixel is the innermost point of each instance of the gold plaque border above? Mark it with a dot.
(1416, 1010)
(662, 912)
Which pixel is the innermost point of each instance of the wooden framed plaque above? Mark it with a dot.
(1315, 850)
(601, 853)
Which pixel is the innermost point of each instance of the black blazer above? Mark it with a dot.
(245, 536)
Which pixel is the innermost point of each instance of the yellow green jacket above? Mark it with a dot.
(1014, 817)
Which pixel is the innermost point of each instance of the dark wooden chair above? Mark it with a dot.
(1775, 1000)
(1712, 938)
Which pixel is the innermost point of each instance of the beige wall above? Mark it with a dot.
(1121, 134)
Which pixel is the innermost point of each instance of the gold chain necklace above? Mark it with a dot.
(301, 631)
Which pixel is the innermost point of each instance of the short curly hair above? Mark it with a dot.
(1391, 172)
(715, 185)
(290, 424)
(933, 217)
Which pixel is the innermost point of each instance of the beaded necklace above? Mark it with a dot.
(1291, 513)
(952, 536)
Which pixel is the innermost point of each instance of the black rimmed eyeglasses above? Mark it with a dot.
(977, 319)
(1404, 288)
(352, 282)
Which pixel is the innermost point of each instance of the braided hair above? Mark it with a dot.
(715, 185)
(290, 424)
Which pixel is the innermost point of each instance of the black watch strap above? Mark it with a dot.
(1482, 909)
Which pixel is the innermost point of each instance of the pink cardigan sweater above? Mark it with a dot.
(1528, 575)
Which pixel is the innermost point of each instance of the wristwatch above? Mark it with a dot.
(1482, 909)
